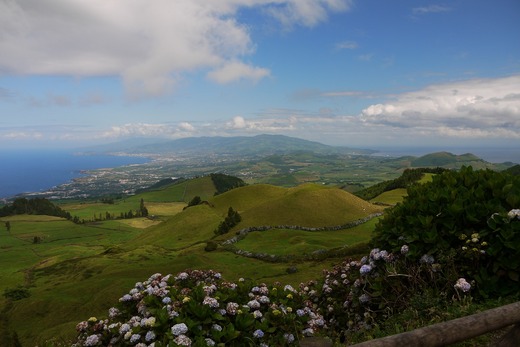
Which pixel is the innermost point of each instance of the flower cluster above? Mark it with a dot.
(473, 245)
(199, 308)
(514, 213)
(462, 285)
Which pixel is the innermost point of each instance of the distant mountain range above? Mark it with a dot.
(260, 145)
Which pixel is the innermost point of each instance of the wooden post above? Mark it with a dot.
(455, 330)
(315, 342)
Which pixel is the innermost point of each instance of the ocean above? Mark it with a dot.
(23, 171)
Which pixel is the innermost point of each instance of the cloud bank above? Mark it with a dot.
(149, 44)
(479, 108)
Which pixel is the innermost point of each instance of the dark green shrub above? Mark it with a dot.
(195, 201)
(232, 219)
(17, 293)
(460, 218)
(211, 246)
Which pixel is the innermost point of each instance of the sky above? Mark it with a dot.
(356, 73)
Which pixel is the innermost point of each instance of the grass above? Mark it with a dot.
(309, 205)
(78, 271)
(297, 242)
(390, 197)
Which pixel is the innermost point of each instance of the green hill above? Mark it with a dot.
(79, 270)
(449, 160)
(308, 205)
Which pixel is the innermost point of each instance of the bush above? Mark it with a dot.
(198, 308)
(460, 218)
(211, 246)
(17, 293)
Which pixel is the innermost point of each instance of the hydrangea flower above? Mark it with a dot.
(92, 340)
(463, 285)
(179, 329)
(254, 304)
(364, 298)
(365, 269)
(124, 328)
(182, 276)
(288, 337)
(134, 338)
(258, 334)
(263, 299)
(126, 297)
(514, 213)
(211, 302)
(182, 340)
(404, 249)
(232, 308)
(427, 259)
(150, 336)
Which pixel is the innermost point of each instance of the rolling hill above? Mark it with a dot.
(449, 161)
(79, 270)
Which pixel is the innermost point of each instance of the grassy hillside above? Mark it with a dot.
(308, 205)
(75, 271)
(450, 161)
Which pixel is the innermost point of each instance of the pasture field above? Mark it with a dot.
(77, 271)
(390, 197)
(298, 242)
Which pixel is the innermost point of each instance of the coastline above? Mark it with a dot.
(35, 171)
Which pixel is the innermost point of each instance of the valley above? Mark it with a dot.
(298, 217)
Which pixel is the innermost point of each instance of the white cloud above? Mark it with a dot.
(347, 45)
(237, 70)
(271, 124)
(149, 44)
(186, 127)
(431, 9)
(472, 109)
(158, 130)
(305, 12)
(22, 135)
(366, 57)
(138, 129)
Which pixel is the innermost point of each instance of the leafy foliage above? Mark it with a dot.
(232, 219)
(38, 206)
(460, 218)
(195, 201)
(198, 308)
(223, 183)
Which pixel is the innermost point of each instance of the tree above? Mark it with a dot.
(232, 219)
(143, 211)
(195, 201)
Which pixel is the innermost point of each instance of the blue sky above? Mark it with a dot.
(341, 72)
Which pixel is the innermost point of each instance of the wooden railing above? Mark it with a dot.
(453, 331)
